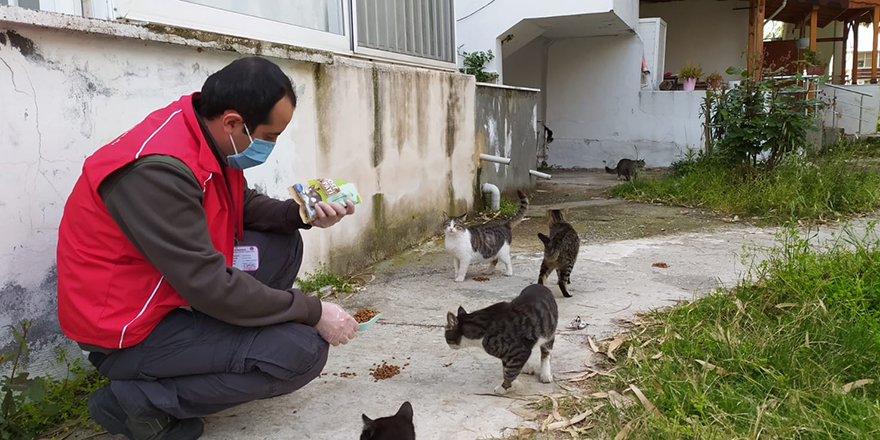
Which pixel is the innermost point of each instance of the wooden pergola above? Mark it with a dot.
(809, 16)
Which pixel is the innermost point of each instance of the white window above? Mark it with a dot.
(319, 24)
(63, 6)
(418, 28)
(412, 31)
(320, 15)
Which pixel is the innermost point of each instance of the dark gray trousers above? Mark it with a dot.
(193, 365)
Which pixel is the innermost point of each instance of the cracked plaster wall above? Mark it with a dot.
(506, 125)
(404, 135)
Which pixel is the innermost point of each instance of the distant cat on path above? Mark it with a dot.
(489, 242)
(626, 168)
(560, 250)
(509, 331)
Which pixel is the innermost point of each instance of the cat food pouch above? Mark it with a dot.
(322, 190)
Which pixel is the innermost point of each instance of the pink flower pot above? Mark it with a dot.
(690, 84)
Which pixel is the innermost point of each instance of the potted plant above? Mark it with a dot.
(714, 79)
(689, 74)
(813, 64)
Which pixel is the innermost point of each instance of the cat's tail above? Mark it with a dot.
(610, 170)
(524, 205)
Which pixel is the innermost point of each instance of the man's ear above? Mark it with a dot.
(231, 122)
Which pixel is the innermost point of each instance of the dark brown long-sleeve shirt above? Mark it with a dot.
(158, 206)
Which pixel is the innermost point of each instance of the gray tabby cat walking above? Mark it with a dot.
(509, 331)
(489, 242)
(626, 168)
(560, 250)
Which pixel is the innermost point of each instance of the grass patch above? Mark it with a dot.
(841, 182)
(45, 407)
(509, 207)
(779, 356)
(313, 282)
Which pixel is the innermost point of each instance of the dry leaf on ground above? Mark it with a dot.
(614, 345)
(648, 405)
(660, 265)
(593, 345)
(711, 367)
(623, 432)
(857, 384)
(574, 420)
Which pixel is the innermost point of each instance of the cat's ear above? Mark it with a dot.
(368, 423)
(451, 320)
(462, 217)
(543, 238)
(461, 311)
(406, 411)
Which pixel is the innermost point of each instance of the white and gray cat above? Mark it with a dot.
(489, 242)
(510, 331)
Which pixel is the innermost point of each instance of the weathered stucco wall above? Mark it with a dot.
(405, 136)
(599, 115)
(506, 125)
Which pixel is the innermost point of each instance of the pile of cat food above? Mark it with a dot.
(385, 371)
(364, 315)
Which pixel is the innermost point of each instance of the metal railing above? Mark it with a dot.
(838, 113)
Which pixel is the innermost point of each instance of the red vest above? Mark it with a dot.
(108, 294)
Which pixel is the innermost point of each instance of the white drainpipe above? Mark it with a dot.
(495, 199)
(539, 174)
(496, 159)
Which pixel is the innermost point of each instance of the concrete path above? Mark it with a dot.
(612, 280)
(414, 292)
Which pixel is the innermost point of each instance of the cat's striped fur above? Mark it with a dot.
(489, 242)
(509, 331)
(626, 168)
(560, 250)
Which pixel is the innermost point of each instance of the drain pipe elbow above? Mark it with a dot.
(495, 196)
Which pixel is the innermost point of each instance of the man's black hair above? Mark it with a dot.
(250, 86)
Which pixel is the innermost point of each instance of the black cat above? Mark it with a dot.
(396, 427)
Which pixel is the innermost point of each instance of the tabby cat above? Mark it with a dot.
(488, 242)
(560, 250)
(626, 168)
(509, 331)
(396, 427)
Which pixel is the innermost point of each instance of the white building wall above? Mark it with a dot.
(480, 29)
(404, 135)
(598, 114)
(711, 34)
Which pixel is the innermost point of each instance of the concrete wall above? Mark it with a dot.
(506, 125)
(404, 135)
(711, 34)
(598, 114)
(523, 67)
(846, 114)
(480, 29)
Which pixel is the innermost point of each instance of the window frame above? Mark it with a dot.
(72, 7)
(386, 55)
(180, 13)
(208, 19)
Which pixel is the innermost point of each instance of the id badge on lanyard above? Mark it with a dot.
(246, 258)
